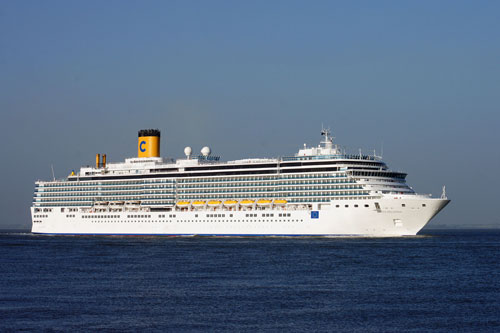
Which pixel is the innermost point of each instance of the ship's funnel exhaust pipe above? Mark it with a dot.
(148, 144)
(104, 160)
(97, 161)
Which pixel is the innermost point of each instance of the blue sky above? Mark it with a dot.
(254, 79)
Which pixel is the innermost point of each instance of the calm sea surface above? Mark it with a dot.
(441, 281)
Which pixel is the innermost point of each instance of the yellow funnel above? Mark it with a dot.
(148, 144)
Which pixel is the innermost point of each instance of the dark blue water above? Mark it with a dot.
(444, 281)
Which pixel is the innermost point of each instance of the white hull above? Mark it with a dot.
(391, 217)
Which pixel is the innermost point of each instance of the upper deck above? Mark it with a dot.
(325, 157)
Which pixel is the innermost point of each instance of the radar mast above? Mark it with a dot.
(328, 139)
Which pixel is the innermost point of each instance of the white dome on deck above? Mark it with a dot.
(188, 151)
(205, 151)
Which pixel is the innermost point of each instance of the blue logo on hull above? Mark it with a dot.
(315, 214)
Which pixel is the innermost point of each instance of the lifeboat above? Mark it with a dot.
(280, 202)
(214, 203)
(246, 202)
(198, 203)
(230, 203)
(183, 203)
(101, 203)
(264, 202)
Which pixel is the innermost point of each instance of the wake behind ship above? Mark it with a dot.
(320, 191)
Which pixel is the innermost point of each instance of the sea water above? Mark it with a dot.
(447, 280)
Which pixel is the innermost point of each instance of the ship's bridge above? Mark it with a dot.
(327, 150)
(326, 147)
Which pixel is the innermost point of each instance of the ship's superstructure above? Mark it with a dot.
(319, 191)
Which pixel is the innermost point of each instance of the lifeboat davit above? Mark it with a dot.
(280, 202)
(230, 203)
(246, 202)
(132, 204)
(214, 203)
(264, 202)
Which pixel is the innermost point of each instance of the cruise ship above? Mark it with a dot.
(320, 191)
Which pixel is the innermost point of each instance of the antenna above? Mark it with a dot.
(328, 140)
(382, 150)
(53, 177)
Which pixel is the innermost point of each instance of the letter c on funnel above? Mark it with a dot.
(140, 146)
